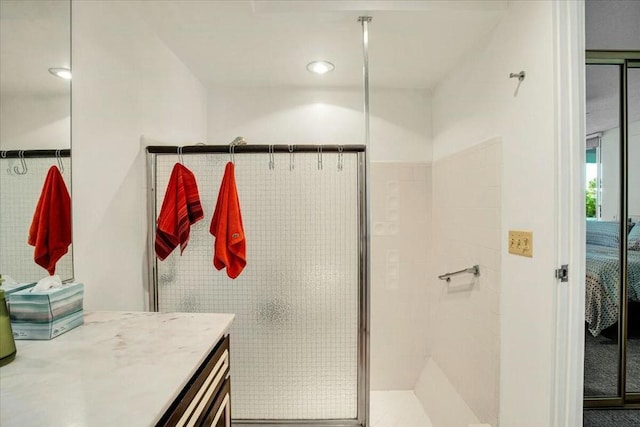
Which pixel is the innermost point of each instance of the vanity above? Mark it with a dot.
(123, 369)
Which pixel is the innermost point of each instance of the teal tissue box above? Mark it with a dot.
(9, 289)
(44, 315)
(46, 330)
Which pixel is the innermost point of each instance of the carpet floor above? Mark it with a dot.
(601, 378)
(611, 418)
(601, 366)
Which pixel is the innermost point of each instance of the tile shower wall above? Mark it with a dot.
(401, 228)
(19, 196)
(465, 313)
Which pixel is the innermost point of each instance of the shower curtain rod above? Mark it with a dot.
(256, 148)
(31, 154)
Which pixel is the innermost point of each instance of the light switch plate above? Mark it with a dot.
(521, 243)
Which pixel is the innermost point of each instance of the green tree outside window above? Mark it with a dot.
(591, 199)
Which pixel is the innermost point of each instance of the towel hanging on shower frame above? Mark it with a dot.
(227, 228)
(181, 208)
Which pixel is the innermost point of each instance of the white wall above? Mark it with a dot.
(400, 124)
(474, 104)
(34, 122)
(126, 83)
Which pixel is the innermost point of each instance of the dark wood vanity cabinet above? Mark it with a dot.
(206, 399)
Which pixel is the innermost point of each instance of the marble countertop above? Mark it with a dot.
(118, 369)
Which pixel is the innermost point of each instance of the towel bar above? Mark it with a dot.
(475, 270)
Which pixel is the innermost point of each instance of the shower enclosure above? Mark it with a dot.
(300, 338)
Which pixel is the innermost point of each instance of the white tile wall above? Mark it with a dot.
(400, 224)
(397, 409)
(441, 400)
(464, 321)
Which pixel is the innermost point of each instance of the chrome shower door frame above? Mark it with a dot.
(362, 419)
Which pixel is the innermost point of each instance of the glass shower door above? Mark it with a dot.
(295, 342)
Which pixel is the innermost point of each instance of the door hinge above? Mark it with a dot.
(562, 273)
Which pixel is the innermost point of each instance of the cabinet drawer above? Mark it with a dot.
(192, 404)
(219, 411)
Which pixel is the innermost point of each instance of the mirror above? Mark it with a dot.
(605, 340)
(602, 265)
(633, 244)
(35, 123)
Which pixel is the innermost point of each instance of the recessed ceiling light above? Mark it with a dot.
(320, 67)
(63, 73)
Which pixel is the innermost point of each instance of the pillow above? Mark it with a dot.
(603, 233)
(634, 238)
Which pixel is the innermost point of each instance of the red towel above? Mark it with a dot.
(50, 230)
(226, 226)
(181, 208)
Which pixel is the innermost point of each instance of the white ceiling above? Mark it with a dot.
(603, 97)
(413, 44)
(34, 36)
(611, 25)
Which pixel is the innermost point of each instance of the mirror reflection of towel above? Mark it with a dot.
(181, 209)
(50, 231)
(226, 226)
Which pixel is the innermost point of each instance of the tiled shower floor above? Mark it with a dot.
(397, 409)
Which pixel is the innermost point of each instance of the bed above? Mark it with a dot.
(602, 273)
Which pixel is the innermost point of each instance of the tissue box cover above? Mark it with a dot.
(9, 289)
(46, 314)
(46, 330)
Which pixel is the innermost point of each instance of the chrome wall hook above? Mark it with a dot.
(520, 76)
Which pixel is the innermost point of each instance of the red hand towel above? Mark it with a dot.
(226, 226)
(181, 208)
(50, 230)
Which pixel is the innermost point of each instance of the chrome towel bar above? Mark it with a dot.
(475, 270)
